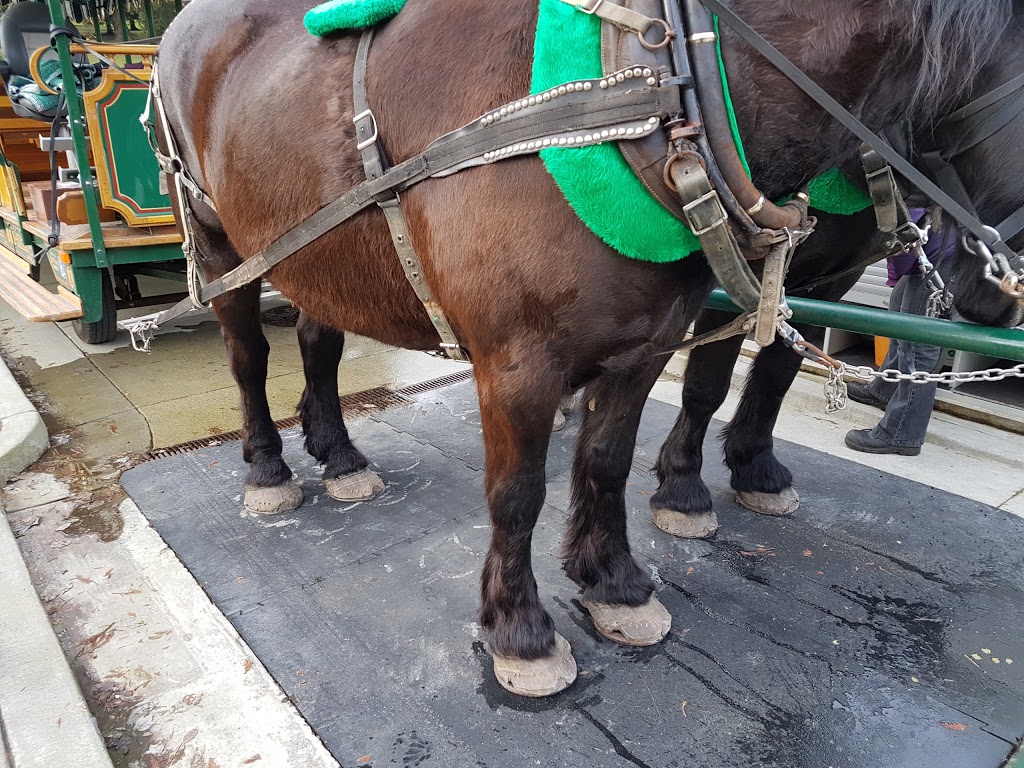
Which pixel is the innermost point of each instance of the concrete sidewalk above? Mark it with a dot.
(43, 715)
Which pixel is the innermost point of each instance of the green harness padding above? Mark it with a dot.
(339, 15)
(596, 181)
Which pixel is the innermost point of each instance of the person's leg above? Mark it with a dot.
(884, 390)
(906, 418)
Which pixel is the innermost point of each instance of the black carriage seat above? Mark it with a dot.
(24, 28)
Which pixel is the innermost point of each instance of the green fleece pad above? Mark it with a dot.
(596, 181)
(339, 15)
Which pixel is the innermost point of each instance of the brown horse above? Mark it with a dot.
(262, 114)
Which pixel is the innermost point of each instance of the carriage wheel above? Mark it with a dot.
(105, 328)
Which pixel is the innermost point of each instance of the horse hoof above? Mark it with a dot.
(270, 501)
(541, 677)
(358, 486)
(559, 422)
(645, 624)
(775, 504)
(699, 525)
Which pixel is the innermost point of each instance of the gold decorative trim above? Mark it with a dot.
(103, 164)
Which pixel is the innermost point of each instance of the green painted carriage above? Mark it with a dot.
(81, 193)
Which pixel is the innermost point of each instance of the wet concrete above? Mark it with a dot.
(878, 627)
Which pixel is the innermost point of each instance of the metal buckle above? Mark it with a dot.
(707, 207)
(592, 10)
(361, 145)
(455, 351)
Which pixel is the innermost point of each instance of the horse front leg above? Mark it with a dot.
(268, 485)
(618, 592)
(762, 483)
(518, 397)
(682, 504)
(346, 476)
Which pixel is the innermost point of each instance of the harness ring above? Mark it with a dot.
(668, 32)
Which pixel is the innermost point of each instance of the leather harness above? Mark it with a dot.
(668, 78)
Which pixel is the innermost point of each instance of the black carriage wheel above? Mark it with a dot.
(105, 328)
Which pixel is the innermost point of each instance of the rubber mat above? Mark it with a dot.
(880, 626)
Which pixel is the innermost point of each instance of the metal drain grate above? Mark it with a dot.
(355, 405)
(443, 381)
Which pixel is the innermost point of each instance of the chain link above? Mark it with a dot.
(867, 373)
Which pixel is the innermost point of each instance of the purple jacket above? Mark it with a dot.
(937, 249)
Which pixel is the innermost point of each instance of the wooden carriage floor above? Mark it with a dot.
(880, 626)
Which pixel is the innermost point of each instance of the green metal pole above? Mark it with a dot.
(76, 122)
(1005, 343)
(150, 24)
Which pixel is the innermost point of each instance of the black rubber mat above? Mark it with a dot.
(880, 626)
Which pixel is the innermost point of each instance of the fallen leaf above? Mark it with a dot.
(239, 580)
(986, 651)
(190, 735)
(684, 707)
(248, 664)
(976, 656)
(364, 759)
(252, 760)
(914, 680)
(91, 643)
(807, 553)
(821, 573)
(955, 726)
(84, 579)
(109, 573)
(689, 570)
(1009, 661)
(995, 660)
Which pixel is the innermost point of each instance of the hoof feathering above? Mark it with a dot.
(700, 525)
(645, 624)
(270, 501)
(358, 486)
(775, 504)
(541, 677)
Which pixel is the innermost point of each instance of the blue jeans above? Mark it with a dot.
(909, 405)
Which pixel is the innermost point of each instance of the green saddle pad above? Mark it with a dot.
(596, 181)
(339, 15)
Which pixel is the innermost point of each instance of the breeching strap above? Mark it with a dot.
(374, 163)
(560, 117)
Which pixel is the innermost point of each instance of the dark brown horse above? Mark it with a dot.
(262, 113)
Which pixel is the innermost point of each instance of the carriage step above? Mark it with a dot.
(31, 300)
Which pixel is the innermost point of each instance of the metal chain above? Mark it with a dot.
(867, 373)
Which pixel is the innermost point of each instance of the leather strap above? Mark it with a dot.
(706, 216)
(621, 17)
(374, 164)
(560, 112)
(955, 209)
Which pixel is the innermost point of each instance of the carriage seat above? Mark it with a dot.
(24, 28)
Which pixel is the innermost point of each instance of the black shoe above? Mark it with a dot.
(861, 440)
(862, 394)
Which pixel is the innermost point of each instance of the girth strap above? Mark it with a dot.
(374, 163)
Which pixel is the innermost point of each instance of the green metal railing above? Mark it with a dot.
(1006, 343)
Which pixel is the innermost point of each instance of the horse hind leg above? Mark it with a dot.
(268, 485)
(346, 476)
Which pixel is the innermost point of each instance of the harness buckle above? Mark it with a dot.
(705, 213)
(367, 113)
(593, 9)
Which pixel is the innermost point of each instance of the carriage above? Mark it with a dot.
(80, 190)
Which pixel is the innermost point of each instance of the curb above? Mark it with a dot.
(23, 436)
(44, 720)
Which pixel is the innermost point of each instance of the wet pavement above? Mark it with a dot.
(877, 627)
(168, 679)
